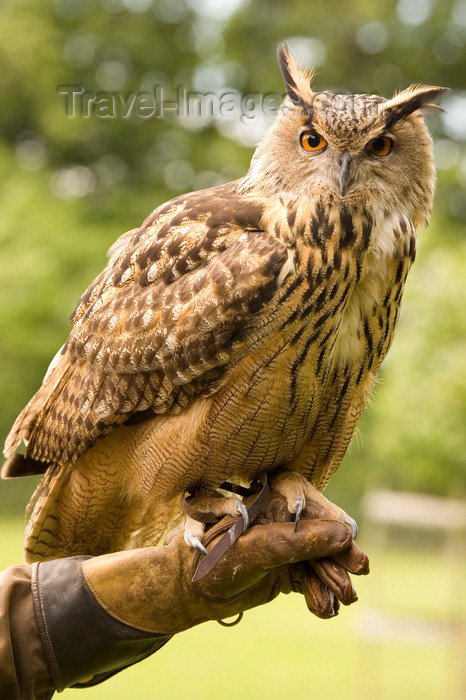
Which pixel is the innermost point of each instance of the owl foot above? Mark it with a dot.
(193, 532)
(206, 509)
(197, 544)
(303, 497)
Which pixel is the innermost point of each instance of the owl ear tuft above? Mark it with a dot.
(416, 98)
(297, 80)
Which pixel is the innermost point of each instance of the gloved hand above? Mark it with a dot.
(155, 592)
(99, 615)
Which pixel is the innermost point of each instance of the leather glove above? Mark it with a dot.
(118, 608)
(156, 593)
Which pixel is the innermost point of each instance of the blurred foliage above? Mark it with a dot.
(71, 185)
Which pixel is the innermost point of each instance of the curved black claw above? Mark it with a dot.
(299, 505)
(197, 544)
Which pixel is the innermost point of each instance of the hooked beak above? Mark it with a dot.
(344, 172)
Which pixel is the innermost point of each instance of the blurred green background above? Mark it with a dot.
(72, 185)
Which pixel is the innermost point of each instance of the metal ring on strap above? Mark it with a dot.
(231, 624)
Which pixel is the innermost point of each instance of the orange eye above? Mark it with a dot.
(380, 146)
(311, 141)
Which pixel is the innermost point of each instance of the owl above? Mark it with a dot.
(238, 331)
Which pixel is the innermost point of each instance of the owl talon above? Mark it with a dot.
(197, 544)
(244, 514)
(299, 507)
(351, 522)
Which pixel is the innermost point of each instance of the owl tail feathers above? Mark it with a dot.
(26, 429)
(21, 465)
(18, 464)
(42, 537)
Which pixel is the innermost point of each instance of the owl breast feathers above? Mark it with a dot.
(239, 329)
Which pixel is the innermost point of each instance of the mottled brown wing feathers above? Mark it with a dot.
(176, 238)
(158, 325)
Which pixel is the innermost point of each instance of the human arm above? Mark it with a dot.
(96, 616)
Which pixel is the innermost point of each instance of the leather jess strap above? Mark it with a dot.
(261, 488)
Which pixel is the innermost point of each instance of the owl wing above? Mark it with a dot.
(157, 328)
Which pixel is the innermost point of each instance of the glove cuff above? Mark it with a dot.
(84, 645)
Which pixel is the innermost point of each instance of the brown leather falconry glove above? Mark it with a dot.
(126, 605)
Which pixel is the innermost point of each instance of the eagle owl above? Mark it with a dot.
(239, 330)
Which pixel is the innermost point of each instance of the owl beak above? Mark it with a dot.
(344, 172)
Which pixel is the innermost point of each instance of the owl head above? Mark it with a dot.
(359, 147)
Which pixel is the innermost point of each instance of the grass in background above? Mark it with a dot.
(394, 644)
